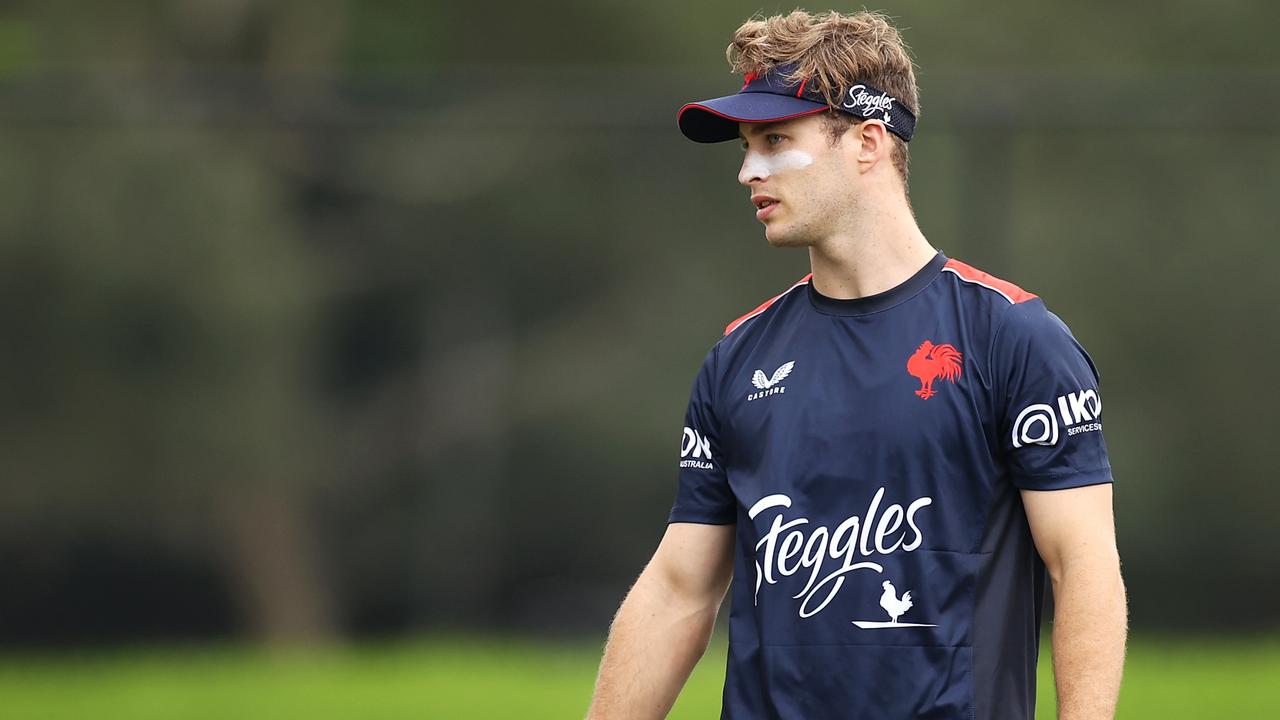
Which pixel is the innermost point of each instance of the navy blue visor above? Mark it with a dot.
(768, 97)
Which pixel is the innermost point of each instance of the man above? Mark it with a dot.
(887, 456)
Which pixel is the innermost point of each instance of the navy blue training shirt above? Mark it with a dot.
(871, 453)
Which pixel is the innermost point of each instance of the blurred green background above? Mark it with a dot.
(347, 344)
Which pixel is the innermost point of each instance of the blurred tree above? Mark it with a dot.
(384, 314)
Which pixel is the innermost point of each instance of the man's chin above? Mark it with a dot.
(778, 236)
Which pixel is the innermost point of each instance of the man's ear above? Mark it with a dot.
(870, 138)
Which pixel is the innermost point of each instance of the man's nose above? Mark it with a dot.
(754, 169)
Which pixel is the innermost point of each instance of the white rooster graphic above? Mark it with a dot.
(892, 604)
(896, 607)
(764, 382)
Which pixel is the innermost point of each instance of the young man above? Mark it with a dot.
(887, 456)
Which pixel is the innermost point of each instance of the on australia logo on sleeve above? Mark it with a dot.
(695, 450)
(1042, 424)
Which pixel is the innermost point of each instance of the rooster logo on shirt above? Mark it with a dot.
(896, 607)
(892, 605)
(932, 362)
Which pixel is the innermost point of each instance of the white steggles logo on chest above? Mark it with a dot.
(791, 545)
(769, 385)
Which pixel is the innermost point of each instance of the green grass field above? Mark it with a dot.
(448, 679)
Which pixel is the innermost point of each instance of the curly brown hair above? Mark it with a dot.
(832, 51)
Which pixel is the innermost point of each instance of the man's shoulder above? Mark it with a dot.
(992, 302)
(1018, 324)
(997, 290)
(763, 307)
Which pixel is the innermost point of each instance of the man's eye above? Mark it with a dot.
(769, 139)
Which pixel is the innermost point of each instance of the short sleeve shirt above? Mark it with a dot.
(871, 453)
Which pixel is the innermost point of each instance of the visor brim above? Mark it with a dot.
(716, 120)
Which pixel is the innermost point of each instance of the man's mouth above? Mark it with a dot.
(764, 205)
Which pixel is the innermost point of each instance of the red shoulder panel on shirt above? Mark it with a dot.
(764, 305)
(969, 273)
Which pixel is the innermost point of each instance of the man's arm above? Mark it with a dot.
(664, 624)
(1074, 531)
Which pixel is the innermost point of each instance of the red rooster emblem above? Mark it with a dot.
(930, 362)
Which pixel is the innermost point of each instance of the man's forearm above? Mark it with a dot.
(1089, 630)
(656, 639)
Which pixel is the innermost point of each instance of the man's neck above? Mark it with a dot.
(878, 253)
